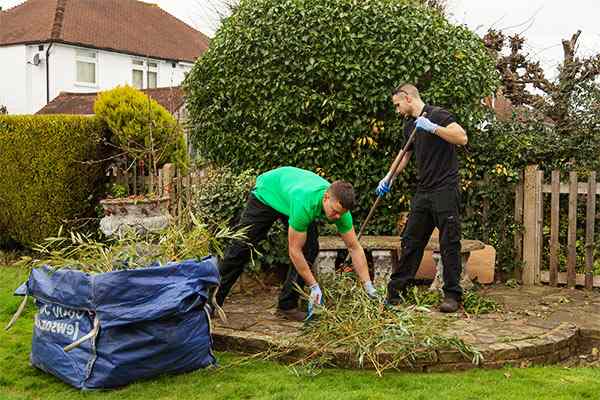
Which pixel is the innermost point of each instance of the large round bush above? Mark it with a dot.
(307, 83)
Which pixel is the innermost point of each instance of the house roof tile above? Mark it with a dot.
(83, 103)
(127, 26)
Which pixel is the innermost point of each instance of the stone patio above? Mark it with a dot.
(538, 325)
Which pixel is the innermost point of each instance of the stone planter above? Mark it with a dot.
(136, 212)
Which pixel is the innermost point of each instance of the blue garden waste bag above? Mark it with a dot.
(135, 323)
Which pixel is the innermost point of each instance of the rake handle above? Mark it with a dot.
(395, 166)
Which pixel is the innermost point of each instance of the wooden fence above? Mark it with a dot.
(170, 181)
(529, 210)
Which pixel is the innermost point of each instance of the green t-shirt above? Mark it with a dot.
(298, 194)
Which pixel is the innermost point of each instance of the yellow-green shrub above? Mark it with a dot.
(140, 125)
(44, 180)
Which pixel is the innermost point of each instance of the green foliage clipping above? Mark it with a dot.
(222, 195)
(308, 83)
(187, 239)
(140, 126)
(45, 181)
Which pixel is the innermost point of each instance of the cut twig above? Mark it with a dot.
(17, 314)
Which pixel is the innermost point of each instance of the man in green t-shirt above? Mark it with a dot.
(298, 198)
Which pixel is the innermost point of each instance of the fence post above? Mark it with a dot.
(168, 171)
(554, 227)
(531, 221)
(540, 221)
(572, 231)
(179, 189)
(589, 231)
(519, 221)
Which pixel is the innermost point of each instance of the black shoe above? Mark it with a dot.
(292, 314)
(395, 296)
(394, 300)
(449, 305)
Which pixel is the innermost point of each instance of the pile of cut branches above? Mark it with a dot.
(373, 333)
(186, 240)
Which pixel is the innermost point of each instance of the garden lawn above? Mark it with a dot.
(270, 380)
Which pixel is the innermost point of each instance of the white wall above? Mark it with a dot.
(13, 78)
(23, 85)
(36, 79)
(113, 69)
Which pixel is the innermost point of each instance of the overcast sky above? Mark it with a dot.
(543, 22)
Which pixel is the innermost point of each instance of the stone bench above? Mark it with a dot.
(385, 251)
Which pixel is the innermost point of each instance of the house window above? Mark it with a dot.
(137, 74)
(137, 78)
(144, 74)
(152, 75)
(86, 63)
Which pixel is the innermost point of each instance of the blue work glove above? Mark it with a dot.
(370, 289)
(426, 125)
(315, 297)
(383, 187)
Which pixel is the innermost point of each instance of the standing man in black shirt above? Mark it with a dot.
(437, 200)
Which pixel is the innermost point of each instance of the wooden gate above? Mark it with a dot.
(529, 210)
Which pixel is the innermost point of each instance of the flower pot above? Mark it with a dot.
(135, 212)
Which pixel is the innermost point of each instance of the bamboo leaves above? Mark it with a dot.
(191, 239)
(373, 333)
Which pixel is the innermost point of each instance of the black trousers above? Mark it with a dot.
(429, 210)
(259, 218)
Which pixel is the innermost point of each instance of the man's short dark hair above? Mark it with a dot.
(408, 89)
(344, 193)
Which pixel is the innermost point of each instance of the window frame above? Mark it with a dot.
(137, 65)
(146, 66)
(151, 69)
(89, 60)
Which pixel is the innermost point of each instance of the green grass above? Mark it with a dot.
(269, 380)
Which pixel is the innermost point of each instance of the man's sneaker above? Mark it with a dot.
(449, 305)
(292, 314)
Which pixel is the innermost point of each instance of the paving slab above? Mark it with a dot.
(537, 325)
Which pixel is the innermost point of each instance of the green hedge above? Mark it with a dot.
(44, 182)
(307, 83)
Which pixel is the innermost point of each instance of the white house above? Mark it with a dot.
(81, 46)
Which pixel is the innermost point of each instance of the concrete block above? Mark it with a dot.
(480, 266)
(382, 265)
(325, 263)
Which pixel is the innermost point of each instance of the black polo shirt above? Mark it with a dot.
(437, 163)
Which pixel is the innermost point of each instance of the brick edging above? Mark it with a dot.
(552, 347)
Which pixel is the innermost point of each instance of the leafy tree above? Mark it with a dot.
(307, 83)
(562, 100)
(550, 122)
